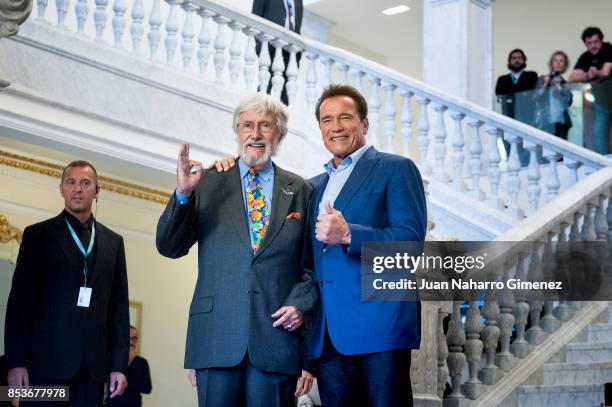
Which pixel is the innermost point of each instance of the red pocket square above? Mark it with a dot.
(294, 215)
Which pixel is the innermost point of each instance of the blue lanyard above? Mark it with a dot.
(81, 247)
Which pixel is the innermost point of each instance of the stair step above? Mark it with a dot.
(596, 352)
(600, 332)
(590, 395)
(577, 373)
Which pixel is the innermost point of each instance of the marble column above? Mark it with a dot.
(12, 14)
(458, 48)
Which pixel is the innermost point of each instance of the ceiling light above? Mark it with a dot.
(396, 10)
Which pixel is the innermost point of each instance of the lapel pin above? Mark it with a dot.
(287, 192)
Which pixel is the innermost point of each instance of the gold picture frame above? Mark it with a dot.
(136, 320)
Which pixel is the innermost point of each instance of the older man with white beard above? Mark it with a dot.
(252, 292)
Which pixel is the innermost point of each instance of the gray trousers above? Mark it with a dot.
(244, 386)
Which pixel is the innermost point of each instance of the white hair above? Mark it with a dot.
(266, 104)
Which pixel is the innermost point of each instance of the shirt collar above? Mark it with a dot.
(265, 174)
(77, 224)
(347, 162)
(516, 74)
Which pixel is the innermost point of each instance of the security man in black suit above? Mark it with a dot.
(67, 318)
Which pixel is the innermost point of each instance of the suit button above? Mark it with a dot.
(325, 250)
(248, 291)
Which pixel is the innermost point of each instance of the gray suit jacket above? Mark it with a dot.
(236, 292)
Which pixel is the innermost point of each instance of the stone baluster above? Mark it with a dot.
(278, 68)
(588, 233)
(311, 81)
(154, 35)
(119, 8)
(458, 143)
(100, 17)
(493, 170)
(250, 56)
(442, 354)
(41, 8)
(573, 166)
(326, 72)
(490, 373)
(609, 237)
(187, 34)
(264, 62)
(549, 323)
(235, 52)
(439, 134)
(374, 110)
(423, 137)
(358, 79)
(563, 312)
(601, 224)
(220, 44)
(343, 69)
(533, 176)
(292, 74)
(476, 159)
(552, 180)
(81, 9)
(455, 337)
(172, 26)
(62, 8)
(137, 27)
(406, 121)
(520, 347)
(506, 360)
(535, 335)
(204, 39)
(389, 115)
(473, 388)
(601, 231)
(514, 180)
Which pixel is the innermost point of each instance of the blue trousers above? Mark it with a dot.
(379, 379)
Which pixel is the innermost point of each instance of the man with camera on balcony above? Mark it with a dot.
(595, 66)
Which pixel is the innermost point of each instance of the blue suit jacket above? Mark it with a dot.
(383, 200)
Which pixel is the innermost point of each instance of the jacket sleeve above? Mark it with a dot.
(406, 210)
(119, 316)
(176, 228)
(21, 302)
(305, 294)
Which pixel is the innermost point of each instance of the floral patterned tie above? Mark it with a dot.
(259, 213)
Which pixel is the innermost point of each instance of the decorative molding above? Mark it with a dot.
(107, 183)
(9, 232)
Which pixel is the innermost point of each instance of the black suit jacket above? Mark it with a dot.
(46, 331)
(274, 10)
(515, 102)
(237, 291)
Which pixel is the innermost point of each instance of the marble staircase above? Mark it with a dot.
(575, 375)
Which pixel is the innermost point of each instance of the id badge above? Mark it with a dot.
(84, 297)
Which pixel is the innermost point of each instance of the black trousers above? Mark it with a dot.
(83, 390)
(244, 386)
(374, 380)
(286, 56)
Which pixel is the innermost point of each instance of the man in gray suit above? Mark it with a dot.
(252, 293)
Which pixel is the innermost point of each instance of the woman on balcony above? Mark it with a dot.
(553, 98)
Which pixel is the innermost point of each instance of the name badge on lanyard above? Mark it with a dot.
(84, 292)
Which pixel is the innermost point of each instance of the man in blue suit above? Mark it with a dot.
(364, 195)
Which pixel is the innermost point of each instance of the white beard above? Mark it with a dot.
(252, 161)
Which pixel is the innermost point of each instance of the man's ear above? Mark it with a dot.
(366, 125)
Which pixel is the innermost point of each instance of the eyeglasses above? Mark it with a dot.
(264, 127)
